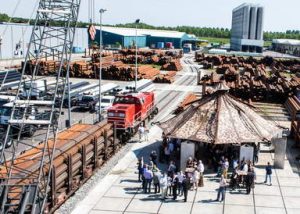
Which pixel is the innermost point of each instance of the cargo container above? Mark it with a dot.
(160, 45)
(169, 45)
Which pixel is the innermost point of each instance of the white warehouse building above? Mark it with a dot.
(287, 46)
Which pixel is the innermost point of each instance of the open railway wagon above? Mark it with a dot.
(80, 150)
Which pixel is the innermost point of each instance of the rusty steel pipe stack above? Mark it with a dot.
(80, 150)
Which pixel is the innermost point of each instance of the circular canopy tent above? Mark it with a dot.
(220, 118)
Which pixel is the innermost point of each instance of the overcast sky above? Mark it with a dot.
(280, 15)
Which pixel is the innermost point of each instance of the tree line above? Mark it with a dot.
(198, 31)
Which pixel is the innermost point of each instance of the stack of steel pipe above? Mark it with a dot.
(169, 77)
(174, 65)
(82, 69)
(190, 98)
(293, 106)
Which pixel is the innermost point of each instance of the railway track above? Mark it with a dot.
(80, 151)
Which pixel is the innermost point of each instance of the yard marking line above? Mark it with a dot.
(161, 203)
(224, 200)
(279, 188)
(194, 201)
(254, 201)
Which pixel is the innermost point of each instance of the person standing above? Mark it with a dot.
(143, 176)
(200, 168)
(222, 189)
(250, 177)
(169, 185)
(164, 186)
(268, 173)
(141, 131)
(153, 156)
(148, 174)
(196, 177)
(225, 167)
(180, 179)
(174, 186)
(140, 168)
(156, 179)
(185, 187)
(171, 168)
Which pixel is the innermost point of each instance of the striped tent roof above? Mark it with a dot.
(220, 118)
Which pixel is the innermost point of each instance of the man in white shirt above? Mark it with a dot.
(200, 167)
(164, 185)
(141, 131)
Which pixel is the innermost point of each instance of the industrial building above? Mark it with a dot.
(247, 28)
(286, 46)
(145, 37)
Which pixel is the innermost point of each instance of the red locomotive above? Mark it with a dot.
(130, 110)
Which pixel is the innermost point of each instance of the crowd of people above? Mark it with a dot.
(172, 182)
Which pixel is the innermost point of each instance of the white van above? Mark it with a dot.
(106, 102)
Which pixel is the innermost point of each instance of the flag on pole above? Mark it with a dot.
(92, 32)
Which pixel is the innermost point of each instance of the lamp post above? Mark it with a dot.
(136, 56)
(101, 11)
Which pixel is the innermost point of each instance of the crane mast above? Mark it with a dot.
(26, 190)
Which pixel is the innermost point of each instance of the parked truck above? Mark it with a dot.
(91, 98)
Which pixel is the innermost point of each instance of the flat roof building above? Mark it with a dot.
(247, 28)
(286, 46)
(145, 37)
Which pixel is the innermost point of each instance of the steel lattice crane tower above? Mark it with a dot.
(26, 190)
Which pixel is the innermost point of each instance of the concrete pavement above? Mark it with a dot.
(119, 192)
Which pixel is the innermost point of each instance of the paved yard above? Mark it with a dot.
(119, 192)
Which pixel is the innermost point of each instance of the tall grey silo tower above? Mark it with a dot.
(247, 28)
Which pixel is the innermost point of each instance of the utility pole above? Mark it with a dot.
(101, 11)
(136, 55)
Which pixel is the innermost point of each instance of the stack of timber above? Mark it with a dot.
(80, 150)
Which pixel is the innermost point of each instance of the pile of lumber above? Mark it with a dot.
(174, 65)
(191, 97)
